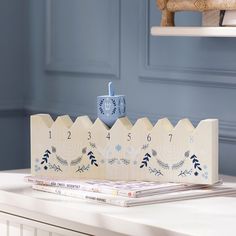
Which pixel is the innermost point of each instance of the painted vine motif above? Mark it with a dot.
(92, 158)
(45, 159)
(62, 161)
(59, 158)
(111, 158)
(195, 170)
(112, 161)
(54, 167)
(83, 168)
(76, 161)
(100, 107)
(196, 165)
(185, 173)
(125, 161)
(114, 107)
(155, 171)
(145, 146)
(145, 160)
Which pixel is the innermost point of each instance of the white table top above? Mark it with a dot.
(208, 216)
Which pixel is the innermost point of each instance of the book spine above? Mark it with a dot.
(95, 197)
(81, 187)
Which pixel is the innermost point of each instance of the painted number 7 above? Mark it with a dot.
(170, 135)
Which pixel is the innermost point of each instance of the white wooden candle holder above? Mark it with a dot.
(84, 149)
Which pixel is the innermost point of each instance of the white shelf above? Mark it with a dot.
(194, 31)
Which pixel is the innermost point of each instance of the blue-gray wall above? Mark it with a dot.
(76, 46)
(13, 79)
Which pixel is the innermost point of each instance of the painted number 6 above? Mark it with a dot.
(149, 138)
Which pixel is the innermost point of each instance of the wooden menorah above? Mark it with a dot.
(87, 150)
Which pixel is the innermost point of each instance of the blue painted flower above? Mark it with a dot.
(37, 168)
(118, 148)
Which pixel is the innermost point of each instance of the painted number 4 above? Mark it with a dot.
(108, 136)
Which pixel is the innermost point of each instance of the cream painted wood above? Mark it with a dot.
(3, 227)
(117, 166)
(125, 152)
(136, 147)
(194, 31)
(14, 229)
(12, 225)
(96, 143)
(43, 233)
(47, 213)
(28, 231)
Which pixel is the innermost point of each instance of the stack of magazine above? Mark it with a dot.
(127, 194)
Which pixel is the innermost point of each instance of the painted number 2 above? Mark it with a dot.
(69, 135)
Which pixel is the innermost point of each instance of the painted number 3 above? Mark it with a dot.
(89, 135)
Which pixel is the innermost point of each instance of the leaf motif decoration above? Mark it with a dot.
(92, 158)
(53, 149)
(154, 152)
(84, 150)
(145, 160)
(196, 164)
(186, 154)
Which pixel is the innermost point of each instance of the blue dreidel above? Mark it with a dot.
(111, 107)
